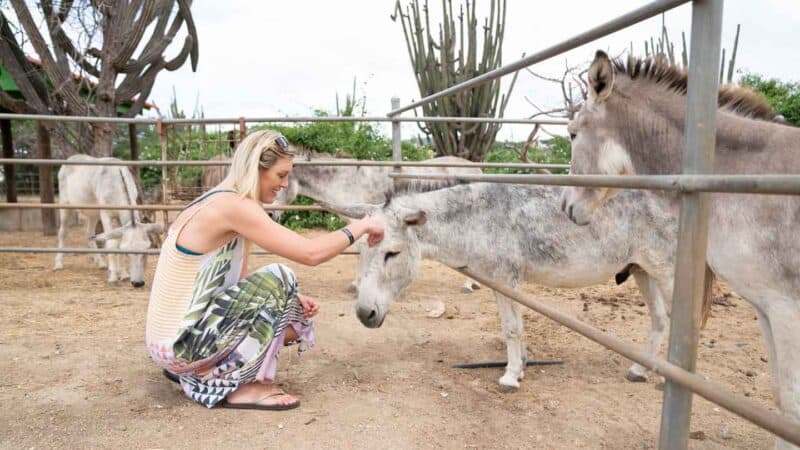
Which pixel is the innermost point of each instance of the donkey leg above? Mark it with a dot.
(63, 217)
(91, 228)
(783, 317)
(511, 322)
(654, 298)
(108, 225)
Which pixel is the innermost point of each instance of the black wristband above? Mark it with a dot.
(349, 235)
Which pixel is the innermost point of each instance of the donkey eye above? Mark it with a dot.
(572, 136)
(389, 255)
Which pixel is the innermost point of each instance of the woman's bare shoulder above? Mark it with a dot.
(233, 205)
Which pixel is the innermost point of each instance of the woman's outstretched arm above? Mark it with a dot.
(247, 218)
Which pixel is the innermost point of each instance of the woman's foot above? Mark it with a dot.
(260, 396)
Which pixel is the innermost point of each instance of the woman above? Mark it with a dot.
(215, 328)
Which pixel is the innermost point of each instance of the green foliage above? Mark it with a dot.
(298, 220)
(784, 96)
(553, 151)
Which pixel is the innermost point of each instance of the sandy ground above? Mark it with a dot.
(76, 373)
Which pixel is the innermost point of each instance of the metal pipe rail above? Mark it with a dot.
(775, 423)
(623, 21)
(82, 250)
(237, 120)
(33, 205)
(746, 184)
(297, 162)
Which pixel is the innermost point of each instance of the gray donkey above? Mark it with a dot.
(633, 123)
(513, 233)
(352, 184)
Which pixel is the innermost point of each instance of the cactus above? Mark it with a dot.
(454, 57)
(664, 48)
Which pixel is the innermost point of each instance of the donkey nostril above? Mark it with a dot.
(569, 211)
(372, 314)
(137, 283)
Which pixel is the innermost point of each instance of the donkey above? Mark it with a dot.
(351, 184)
(106, 185)
(633, 123)
(514, 233)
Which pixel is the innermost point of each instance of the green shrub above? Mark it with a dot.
(783, 96)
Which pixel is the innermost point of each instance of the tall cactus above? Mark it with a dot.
(457, 55)
(664, 48)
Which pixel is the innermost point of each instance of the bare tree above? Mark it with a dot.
(93, 56)
(461, 52)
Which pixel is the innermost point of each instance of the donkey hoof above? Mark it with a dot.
(58, 267)
(466, 289)
(113, 283)
(634, 377)
(505, 388)
(508, 384)
(475, 286)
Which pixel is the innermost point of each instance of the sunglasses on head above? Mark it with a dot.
(282, 143)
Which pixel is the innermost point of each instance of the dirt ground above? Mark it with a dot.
(76, 373)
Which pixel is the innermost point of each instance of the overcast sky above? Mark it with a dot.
(290, 57)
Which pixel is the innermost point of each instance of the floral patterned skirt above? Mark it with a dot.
(233, 338)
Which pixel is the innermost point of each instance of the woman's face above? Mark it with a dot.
(272, 180)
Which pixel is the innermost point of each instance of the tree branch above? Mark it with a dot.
(61, 81)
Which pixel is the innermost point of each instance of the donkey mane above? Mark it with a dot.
(739, 100)
(405, 187)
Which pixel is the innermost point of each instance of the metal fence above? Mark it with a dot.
(682, 383)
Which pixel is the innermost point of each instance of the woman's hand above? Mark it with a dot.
(309, 304)
(374, 229)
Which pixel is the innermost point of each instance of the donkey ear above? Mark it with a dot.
(601, 77)
(101, 238)
(355, 211)
(411, 218)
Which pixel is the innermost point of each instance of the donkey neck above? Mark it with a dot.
(334, 184)
(651, 124)
(460, 223)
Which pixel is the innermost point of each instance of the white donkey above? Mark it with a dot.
(515, 233)
(352, 184)
(633, 123)
(105, 185)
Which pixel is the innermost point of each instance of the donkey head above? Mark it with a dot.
(387, 268)
(134, 236)
(596, 147)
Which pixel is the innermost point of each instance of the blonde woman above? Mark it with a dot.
(212, 326)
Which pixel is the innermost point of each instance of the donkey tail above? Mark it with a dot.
(130, 189)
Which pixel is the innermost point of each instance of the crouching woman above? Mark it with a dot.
(212, 326)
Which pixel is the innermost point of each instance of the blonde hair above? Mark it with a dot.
(259, 149)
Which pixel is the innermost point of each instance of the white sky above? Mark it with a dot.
(262, 59)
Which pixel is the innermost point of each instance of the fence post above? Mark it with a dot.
(46, 191)
(397, 151)
(134, 141)
(690, 267)
(8, 169)
(162, 138)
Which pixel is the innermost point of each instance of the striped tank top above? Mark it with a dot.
(175, 279)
